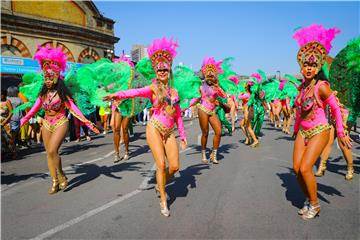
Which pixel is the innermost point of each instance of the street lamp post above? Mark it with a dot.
(279, 74)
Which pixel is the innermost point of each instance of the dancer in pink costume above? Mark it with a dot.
(311, 127)
(165, 113)
(54, 97)
(209, 91)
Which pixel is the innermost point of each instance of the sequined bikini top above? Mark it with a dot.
(207, 91)
(50, 105)
(308, 99)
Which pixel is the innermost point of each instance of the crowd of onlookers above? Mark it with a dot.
(14, 137)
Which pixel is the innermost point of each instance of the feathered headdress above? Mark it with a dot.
(162, 52)
(52, 61)
(315, 43)
(124, 58)
(235, 79)
(282, 84)
(210, 65)
(256, 76)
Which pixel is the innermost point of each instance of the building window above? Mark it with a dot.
(109, 26)
(88, 59)
(99, 23)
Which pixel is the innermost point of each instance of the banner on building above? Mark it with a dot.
(17, 65)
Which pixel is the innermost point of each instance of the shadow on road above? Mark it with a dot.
(140, 149)
(295, 195)
(67, 150)
(179, 186)
(22, 153)
(89, 172)
(340, 168)
(13, 178)
(288, 138)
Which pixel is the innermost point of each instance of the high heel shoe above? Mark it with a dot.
(117, 158)
(63, 181)
(203, 157)
(255, 144)
(54, 186)
(164, 209)
(321, 169)
(305, 208)
(213, 157)
(312, 212)
(247, 141)
(126, 156)
(350, 172)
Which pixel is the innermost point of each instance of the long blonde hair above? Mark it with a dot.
(161, 91)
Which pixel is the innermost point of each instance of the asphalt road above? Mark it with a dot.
(250, 194)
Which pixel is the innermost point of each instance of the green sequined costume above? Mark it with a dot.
(344, 77)
(220, 111)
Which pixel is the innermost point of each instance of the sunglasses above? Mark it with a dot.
(163, 70)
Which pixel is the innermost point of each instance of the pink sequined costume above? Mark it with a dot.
(208, 97)
(163, 118)
(53, 122)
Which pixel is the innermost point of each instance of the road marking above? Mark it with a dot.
(86, 215)
(143, 186)
(46, 174)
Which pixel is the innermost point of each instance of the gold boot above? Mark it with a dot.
(321, 169)
(203, 157)
(350, 172)
(213, 157)
(63, 181)
(54, 186)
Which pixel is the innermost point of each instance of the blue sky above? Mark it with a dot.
(257, 34)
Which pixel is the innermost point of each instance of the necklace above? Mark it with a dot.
(51, 97)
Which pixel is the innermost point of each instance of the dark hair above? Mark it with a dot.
(321, 76)
(61, 89)
(12, 91)
(4, 92)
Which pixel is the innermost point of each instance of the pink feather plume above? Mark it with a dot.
(317, 33)
(235, 79)
(212, 61)
(257, 76)
(163, 44)
(53, 54)
(282, 84)
(123, 58)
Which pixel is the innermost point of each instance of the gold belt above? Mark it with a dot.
(53, 127)
(165, 132)
(205, 109)
(315, 130)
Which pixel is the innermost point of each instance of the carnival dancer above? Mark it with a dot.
(245, 123)
(256, 102)
(165, 112)
(54, 97)
(311, 127)
(346, 151)
(209, 91)
(122, 112)
(344, 76)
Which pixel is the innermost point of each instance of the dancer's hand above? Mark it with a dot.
(183, 144)
(346, 141)
(109, 97)
(95, 129)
